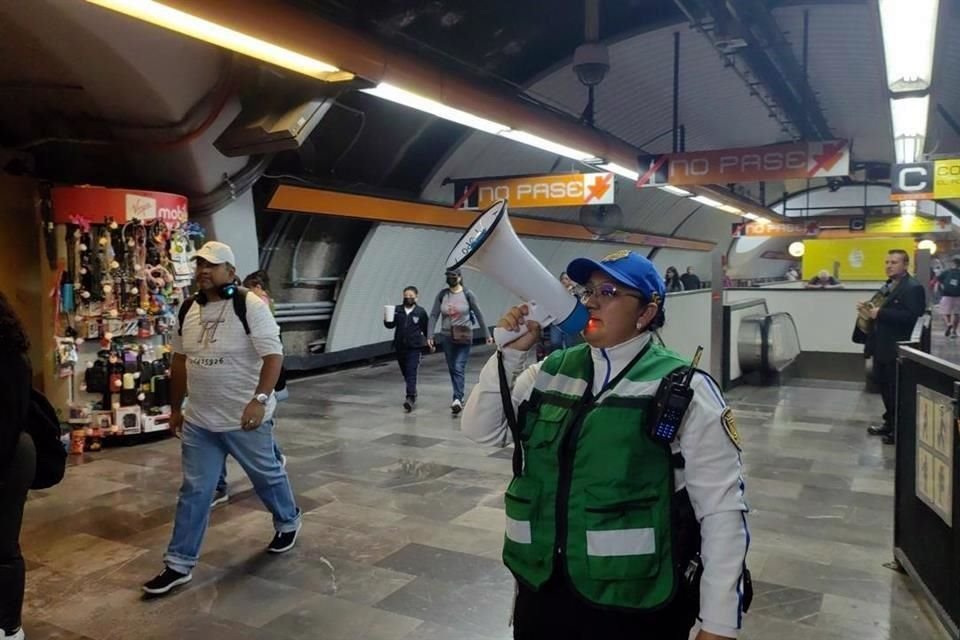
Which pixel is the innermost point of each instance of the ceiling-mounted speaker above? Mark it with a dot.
(601, 220)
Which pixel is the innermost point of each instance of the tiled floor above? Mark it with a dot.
(403, 524)
(942, 346)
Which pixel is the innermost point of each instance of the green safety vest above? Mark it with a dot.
(596, 491)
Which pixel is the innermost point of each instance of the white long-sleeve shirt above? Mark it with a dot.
(711, 475)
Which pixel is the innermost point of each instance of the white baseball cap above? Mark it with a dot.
(216, 253)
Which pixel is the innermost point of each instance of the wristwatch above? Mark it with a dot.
(262, 398)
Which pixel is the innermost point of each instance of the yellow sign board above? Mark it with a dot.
(946, 178)
(908, 224)
(856, 258)
(936, 180)
(526, 192)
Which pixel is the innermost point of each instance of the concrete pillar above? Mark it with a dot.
(236, 225)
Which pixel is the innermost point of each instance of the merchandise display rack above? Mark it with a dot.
(124, 263)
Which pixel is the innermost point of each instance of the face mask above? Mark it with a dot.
(409, 302)
(453, 281)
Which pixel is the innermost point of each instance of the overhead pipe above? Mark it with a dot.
(373, 61)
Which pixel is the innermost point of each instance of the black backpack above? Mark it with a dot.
(240, 309)
(951, 282)
(44, 427)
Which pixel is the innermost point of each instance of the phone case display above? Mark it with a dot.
(120, 284)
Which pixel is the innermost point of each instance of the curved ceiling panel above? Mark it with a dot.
(96, 75)
(942, 137)
(133, 71)
(635, 101)
(845, 65)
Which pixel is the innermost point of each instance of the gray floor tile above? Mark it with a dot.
(403, 527)
(447, 566)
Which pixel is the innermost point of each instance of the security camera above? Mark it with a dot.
(591, 61)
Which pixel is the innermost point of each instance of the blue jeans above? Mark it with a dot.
(203, 454)
(456, 356)
(222, 481)
(409, 362)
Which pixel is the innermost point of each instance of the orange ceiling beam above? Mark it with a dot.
(349, 205)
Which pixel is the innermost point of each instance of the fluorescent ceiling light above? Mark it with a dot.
(427, 105)
(751, 216)
(677, 191)
(908, 148)
(762, 220)
(546, 145)
(908, 208)
(613, 167)
(909, 116)
(707, 201)
(909, 35)
(401, 96)
(730, 209)
(189, 25)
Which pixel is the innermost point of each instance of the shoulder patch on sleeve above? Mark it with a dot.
(730, 427)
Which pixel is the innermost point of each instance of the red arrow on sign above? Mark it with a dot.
(830, 156)
(600, 186)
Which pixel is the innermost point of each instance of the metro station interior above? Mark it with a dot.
(774, 186)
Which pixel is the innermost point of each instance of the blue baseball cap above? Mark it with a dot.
(627, 268)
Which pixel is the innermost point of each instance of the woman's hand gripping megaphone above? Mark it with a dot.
(519, 328)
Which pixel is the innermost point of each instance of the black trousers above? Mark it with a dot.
(556, 613)
(15, 481)
(409, 362)
(885, 373)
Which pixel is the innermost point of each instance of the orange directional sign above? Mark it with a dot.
(775, 229)
(752, 164)
(527, 192)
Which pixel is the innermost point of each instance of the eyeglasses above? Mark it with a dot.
(604, 292)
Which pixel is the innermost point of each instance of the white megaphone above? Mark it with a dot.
(491, 246)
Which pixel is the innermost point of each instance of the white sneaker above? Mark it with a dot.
(18, 635)
(456, 406)
(219, 498)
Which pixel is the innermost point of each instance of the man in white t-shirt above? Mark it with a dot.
(230, 371)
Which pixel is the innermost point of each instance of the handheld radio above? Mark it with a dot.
(671, 402)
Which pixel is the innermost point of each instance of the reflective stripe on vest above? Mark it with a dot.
(622, 542)
(519, 531)
(563, 385)
(629, 388)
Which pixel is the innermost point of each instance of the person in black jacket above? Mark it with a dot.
(409, 339)
(904, 300)
(18, 459)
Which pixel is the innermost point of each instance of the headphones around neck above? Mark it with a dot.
(225, 291)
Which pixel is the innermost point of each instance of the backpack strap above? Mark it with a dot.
(182, 313)
(239, 309)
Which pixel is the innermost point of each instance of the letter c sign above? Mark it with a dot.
(912, 181)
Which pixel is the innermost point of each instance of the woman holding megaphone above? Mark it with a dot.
(626, 515)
